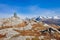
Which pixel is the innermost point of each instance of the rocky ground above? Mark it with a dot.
(19, 29)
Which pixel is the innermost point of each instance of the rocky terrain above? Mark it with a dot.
(15, 28)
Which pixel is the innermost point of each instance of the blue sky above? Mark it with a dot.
(29, 8)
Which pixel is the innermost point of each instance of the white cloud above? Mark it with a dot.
(35, 10)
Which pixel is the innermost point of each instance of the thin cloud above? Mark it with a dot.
(28, 11)
(35, 10)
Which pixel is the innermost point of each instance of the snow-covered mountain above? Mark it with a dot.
(56, 17)
(50, 17)
(49, 20)
(47, 17)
